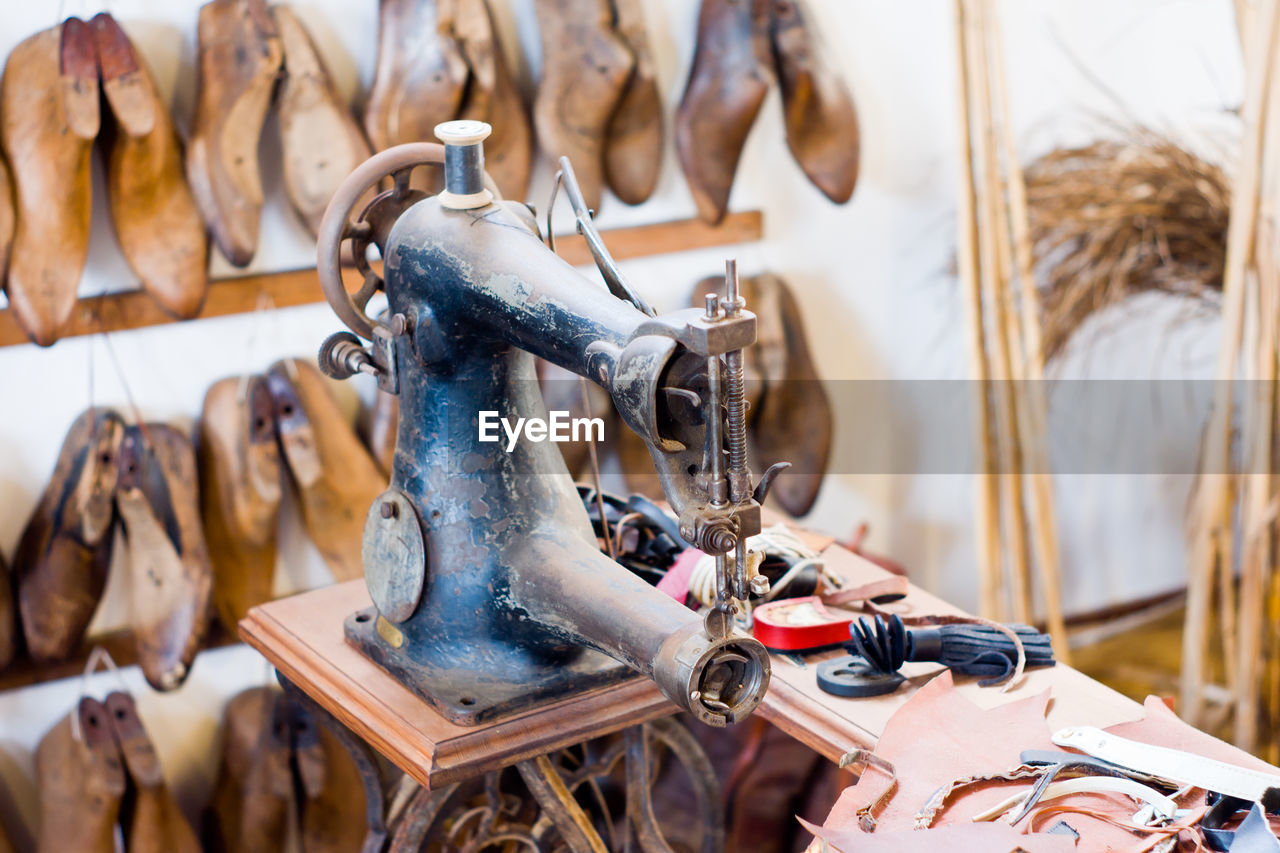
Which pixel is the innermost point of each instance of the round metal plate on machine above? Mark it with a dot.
(394, 555)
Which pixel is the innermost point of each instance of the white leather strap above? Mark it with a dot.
(1175, 765)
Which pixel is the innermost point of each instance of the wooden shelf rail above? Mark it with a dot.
(134, 309)
(120, 644)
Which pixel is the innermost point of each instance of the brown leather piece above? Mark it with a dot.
(493, 96)
(321, 141)
(585, 68)
(240, 58)
(633, 139)
(81, 783)
(955, 838)
(420, 77)
(9, 637)
(48, 120)
(61, 563)
(170, 577)
(335, 477)
(821, 122)
(728, 81)
(939, 736)
(254, 790)
(240, 491)
(152, 209)
(154, 823)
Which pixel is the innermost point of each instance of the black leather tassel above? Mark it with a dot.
(970, 649)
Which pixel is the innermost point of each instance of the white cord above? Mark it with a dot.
(777, 541)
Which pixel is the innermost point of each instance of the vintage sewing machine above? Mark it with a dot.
(491, 595)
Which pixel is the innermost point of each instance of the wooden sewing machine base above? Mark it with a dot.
(302, 637)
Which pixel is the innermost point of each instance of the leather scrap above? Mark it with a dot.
(956, 838)
(939, 737)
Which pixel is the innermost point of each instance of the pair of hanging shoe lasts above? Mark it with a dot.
(99, 778)
(251, 56)
(113, 485)
(279, 765)
(440, 60)
(597, 102)
(250, 430)
(160, 204)
(190, 538)
(789, 415)
(52, 96)
(742, 46)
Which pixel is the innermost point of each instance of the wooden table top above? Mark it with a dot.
(303, 637)
(833, 725)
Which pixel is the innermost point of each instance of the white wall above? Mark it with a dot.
(874, 278)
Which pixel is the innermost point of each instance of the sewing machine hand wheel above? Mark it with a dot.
(372, 225)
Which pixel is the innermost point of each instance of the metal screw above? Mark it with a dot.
(389, 509)
(713, 306)
(759, 585)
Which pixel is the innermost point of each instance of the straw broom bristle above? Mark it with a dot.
(1118, 218)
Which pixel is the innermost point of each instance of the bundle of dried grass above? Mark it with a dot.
(1117, 218)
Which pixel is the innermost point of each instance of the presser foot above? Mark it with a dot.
(468, 696)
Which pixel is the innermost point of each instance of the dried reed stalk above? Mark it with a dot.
(1031, 356)
(1213, 523)
(1003, 344)
(994, 269)
(987, 507)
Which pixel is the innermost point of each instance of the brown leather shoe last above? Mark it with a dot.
(794, 421)
(420, 77)
(48, 121)
(9, 636)
(170, 575)
(585, 68)
(822, 125)
(152, 209)
(81, 783)
(336, 478)
(240, 491)
(254, 791)
(64, 553)
(633, 139)
(493, 96)
(321, 141)
(240, 58)
(152, 822)
(728, 81)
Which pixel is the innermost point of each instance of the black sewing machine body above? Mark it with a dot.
(491, 594)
